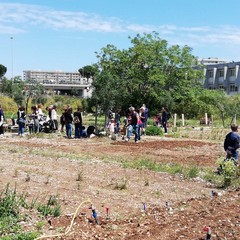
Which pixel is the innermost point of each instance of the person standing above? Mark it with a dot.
(34, 116)
(133, 125)
(117, 121)
(231, 143)
(21, 117)
(1, 121)
(164, 118)
(62, 120)
(146, 114)
(77, 118)
(68, 120)
(39, 109)
(54, 117)
(143, 117)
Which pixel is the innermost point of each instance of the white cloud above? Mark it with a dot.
(19, 18)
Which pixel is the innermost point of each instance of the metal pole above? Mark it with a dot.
(12, 55)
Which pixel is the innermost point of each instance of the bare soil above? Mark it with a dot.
(130, 203)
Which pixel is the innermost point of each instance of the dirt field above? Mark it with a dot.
(130, 203)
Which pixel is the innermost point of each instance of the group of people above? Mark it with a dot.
(134, 121)
(68, 118)
(38, 121)
(34, 120)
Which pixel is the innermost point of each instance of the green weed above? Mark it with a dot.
(52, 208)
(10, 204)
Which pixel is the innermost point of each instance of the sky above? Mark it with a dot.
(64, 35)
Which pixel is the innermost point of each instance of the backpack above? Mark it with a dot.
(76, 119)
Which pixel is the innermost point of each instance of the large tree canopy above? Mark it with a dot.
(150, 72)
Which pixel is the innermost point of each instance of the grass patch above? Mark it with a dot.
(188, 172)
(10, 205)
(170, 168)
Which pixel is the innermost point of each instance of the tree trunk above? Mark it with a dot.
(96, 113)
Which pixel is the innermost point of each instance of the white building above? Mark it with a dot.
(60, 82)
(209, 61)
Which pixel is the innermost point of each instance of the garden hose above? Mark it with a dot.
(70, 227)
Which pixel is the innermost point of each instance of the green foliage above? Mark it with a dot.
(8, 225)
(192, 172)
(149, 72)
(171, 168)
(88, 71)
(10, 204)
(3, 70)
(39, 225)
(22, 236)
(153, 131)
(228, 171)
(63, 101)
(8, 105)
(52, 207)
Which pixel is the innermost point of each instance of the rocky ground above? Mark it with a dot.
(130, 202)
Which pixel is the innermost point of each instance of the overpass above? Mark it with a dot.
(83, 90)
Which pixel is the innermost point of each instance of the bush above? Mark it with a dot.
(8, 105)
(228, 170)
(154, 131)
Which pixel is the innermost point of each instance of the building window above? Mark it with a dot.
(232, 72)
(210, 87)
(233, 88)
(210, 73)
(221, 87)
(221, 73)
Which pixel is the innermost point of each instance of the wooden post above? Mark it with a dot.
(183, 123)
(206, 119)
(175, 120)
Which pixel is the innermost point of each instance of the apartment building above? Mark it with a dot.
(57, 77)
(224, 76)
(210, 60)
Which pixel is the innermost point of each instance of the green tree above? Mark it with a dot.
(3, 70)
(6, 86)
(88, 71)
(33, 91)
(149, 72)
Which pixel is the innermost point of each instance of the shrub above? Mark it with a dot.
(154, 131)
(228, 171)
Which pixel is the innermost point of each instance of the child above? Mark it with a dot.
(112, 129)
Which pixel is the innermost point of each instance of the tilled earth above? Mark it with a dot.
(130, 203)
